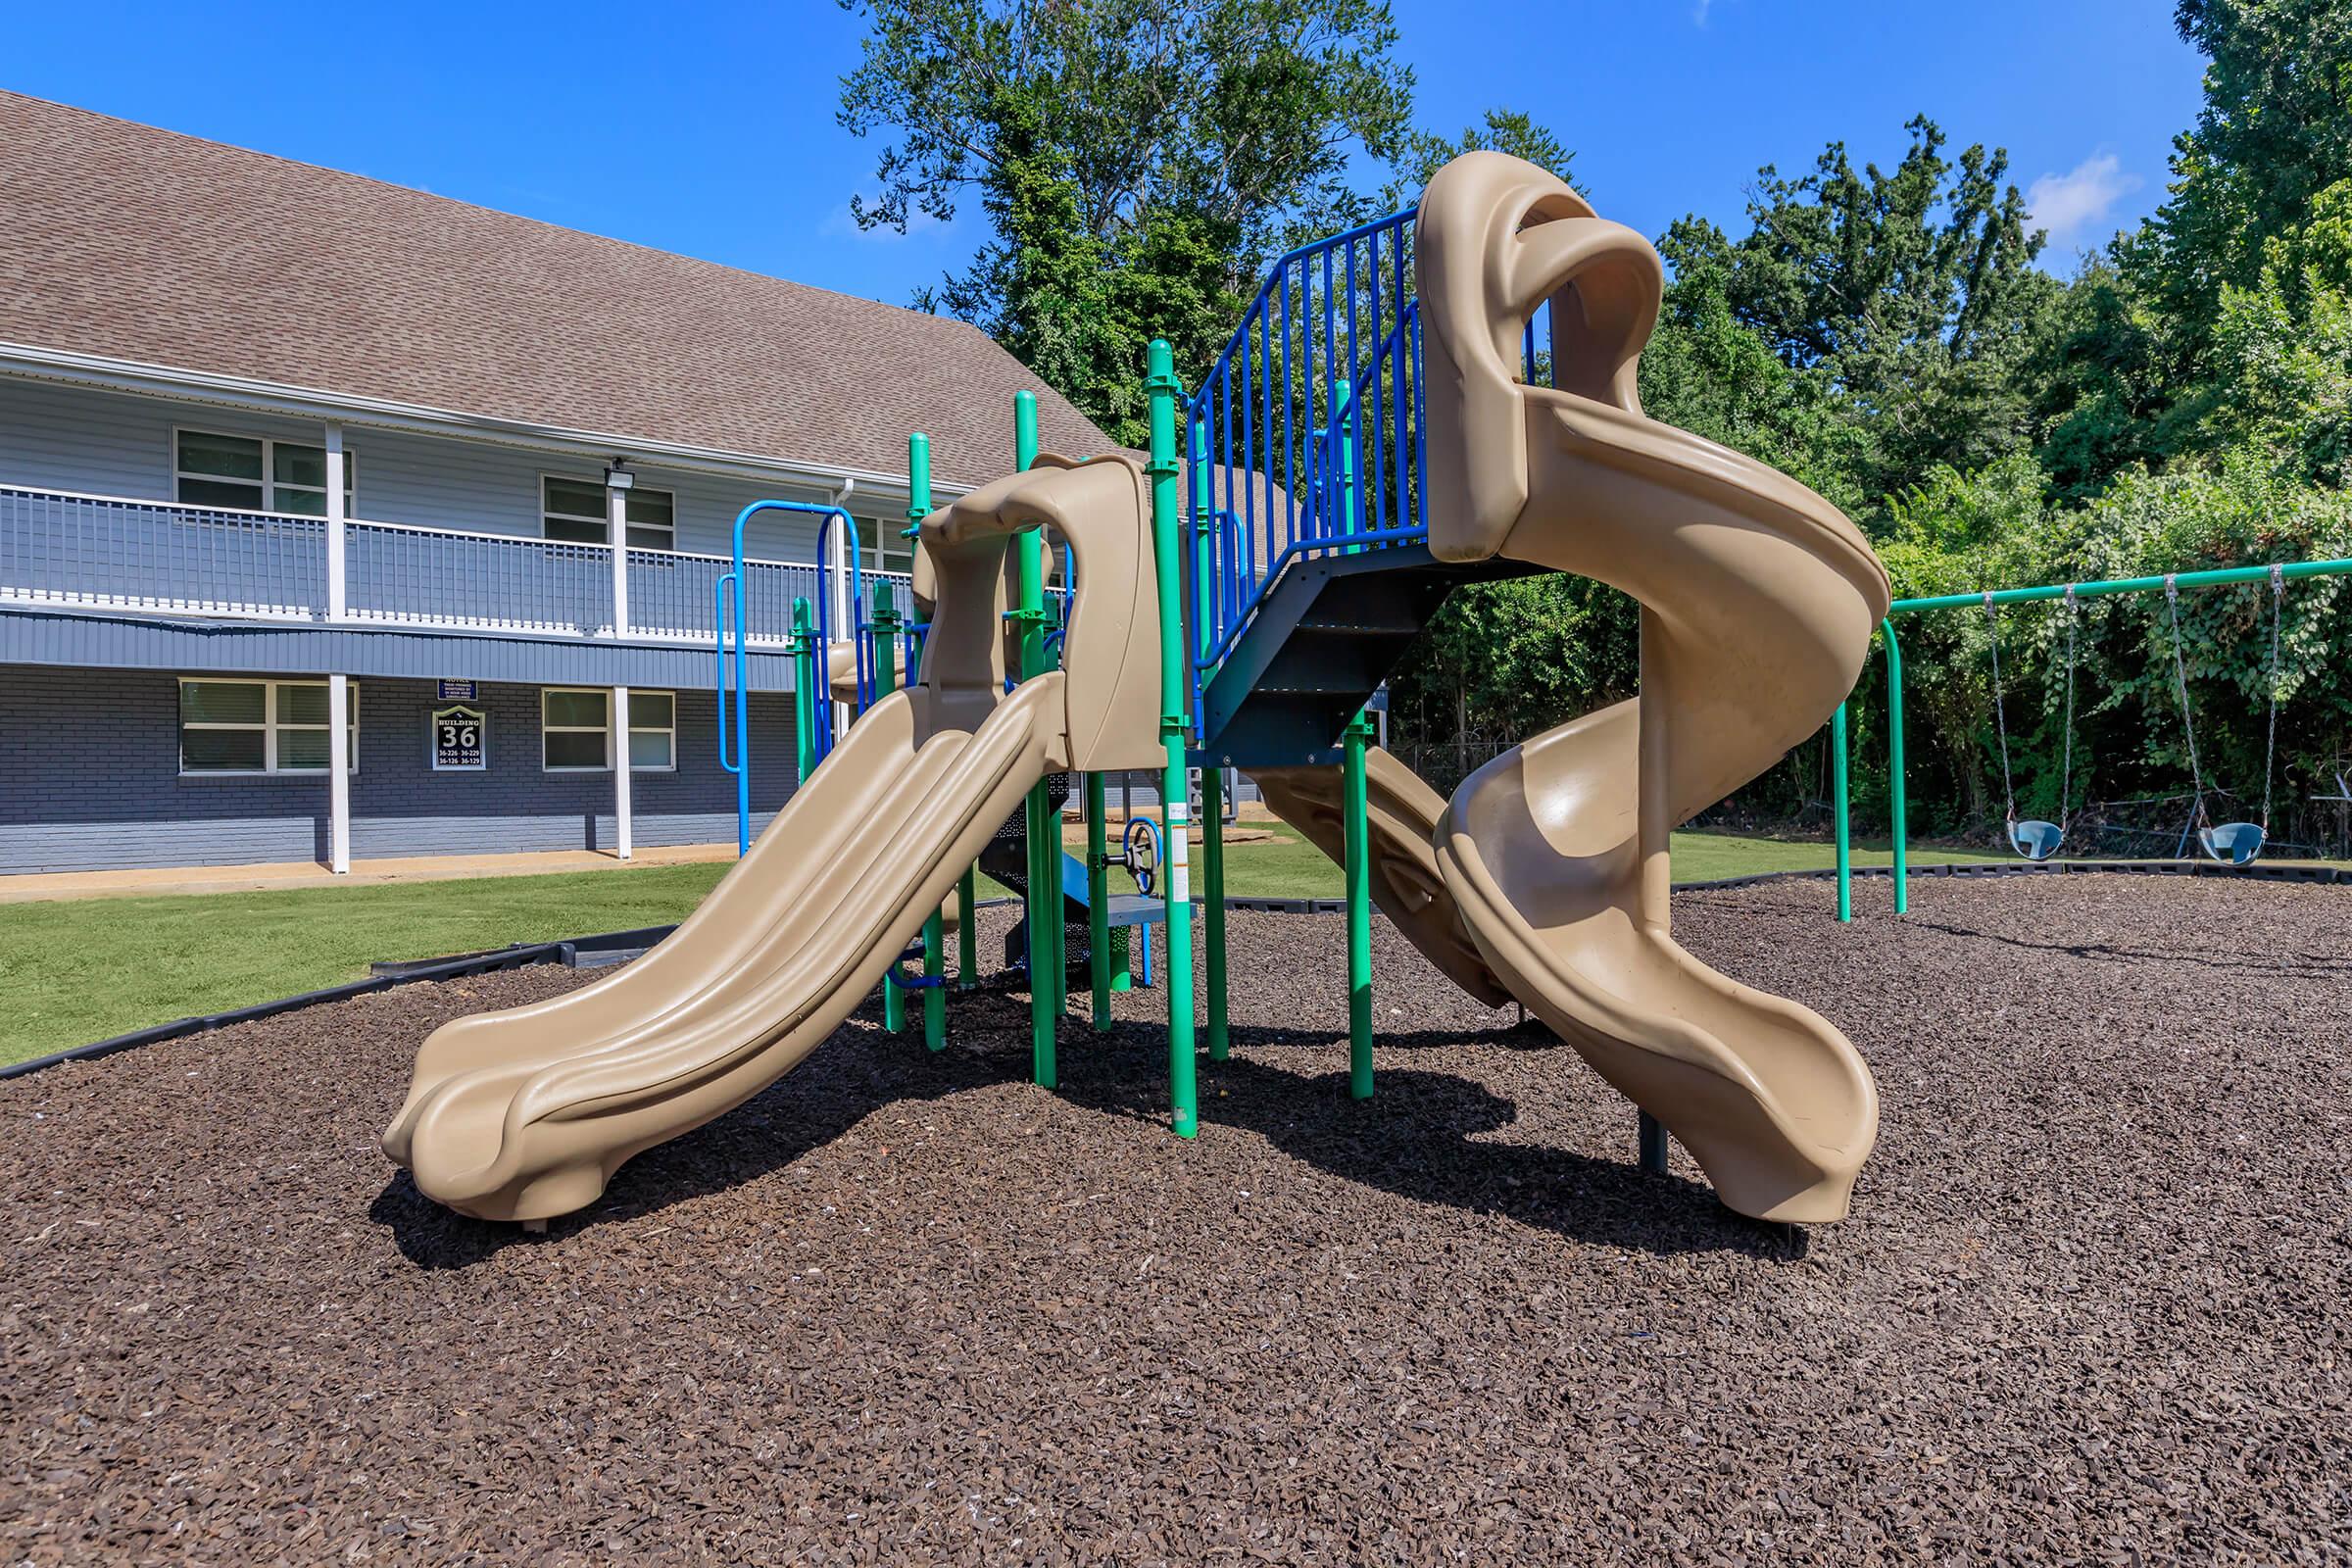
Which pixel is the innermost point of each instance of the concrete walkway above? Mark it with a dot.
(148, 883)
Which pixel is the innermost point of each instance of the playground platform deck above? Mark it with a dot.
(904, 1307)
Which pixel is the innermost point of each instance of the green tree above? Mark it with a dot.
(2276, 130)
(1913, 292)
(1137, 160)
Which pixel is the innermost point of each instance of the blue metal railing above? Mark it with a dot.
(1307, 434)
(730, 591)
(64, 549)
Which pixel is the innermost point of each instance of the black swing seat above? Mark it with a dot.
(2035, 840)
(2232, 842)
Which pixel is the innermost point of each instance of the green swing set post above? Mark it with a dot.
(1845, 844)
(1894, 768)
(1175, 701)
(2217, 577)
(935, 937)
(1212, 784)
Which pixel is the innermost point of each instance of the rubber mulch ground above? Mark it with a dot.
(906, 1309)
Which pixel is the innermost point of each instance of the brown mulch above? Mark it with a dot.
(906, 1308)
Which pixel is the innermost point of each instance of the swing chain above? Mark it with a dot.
(2270, 751)
(2188, 727)
(2066, 778)
(2000, 719)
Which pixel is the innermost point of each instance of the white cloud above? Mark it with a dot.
(2069, 204)
(1699, 10)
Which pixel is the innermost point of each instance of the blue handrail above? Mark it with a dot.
(820, 712)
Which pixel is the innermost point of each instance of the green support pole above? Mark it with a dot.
(1212, 895)
(1845, 847)
(1098, 898)
(1895, 769)
(1042, 907)
(935, 935)
(886, 680)
(804, 690)
(1175, 701)
(1358, 857)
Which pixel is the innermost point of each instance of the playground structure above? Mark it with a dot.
(1429, 400)
(2235, 844)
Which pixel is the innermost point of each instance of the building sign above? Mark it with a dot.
(456, 691)
(461, 736)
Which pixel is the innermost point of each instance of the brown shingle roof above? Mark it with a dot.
(132, 243)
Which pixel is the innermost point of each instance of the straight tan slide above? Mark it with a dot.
(527, 1114)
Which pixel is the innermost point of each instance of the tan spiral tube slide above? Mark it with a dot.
(1758, 599)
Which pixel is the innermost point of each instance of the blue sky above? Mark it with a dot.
(707, 129)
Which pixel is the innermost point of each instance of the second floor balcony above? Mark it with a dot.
(62, 549)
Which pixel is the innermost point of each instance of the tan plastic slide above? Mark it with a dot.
(1758, 599)
(527, 1114)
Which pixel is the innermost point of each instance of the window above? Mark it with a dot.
(258, 726)
(576, 730)
(653, 732)
(209, 469)
(575, 510)
(880, 549)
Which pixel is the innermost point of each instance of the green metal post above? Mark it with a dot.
(1845, 847)
(804, 690)
(1042, 907)
(1895, 769)
(1098, 898)
(886, 680)
(935, 935)
(1212, 895)
(1175, 704)
(1358, 857)
(967, 945)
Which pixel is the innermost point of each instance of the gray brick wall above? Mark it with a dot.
(89, 780)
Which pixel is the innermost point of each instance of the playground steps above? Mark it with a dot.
(1320, 642)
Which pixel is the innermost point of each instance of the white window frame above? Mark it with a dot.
(268, 481)
(605, 729)
(603, 520)
(270, 728)
(669, 729)
(884, 556)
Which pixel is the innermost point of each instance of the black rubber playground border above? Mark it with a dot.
(612, 945)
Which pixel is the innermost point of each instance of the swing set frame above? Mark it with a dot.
(2284, 573)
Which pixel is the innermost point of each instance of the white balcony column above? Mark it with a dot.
(623, 827)
(338, 774)
(339, 687)
(617, 481)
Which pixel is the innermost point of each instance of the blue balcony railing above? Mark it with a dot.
(66, 550)
(89, 549)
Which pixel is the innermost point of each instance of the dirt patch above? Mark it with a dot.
(906, 1308)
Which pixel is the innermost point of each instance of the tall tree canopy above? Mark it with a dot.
(1137, 160)
(1913, 291)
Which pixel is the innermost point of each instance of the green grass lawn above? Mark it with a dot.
(80, 970)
